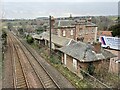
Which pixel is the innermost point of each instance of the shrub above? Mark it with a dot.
(91, 68)
(30, 40)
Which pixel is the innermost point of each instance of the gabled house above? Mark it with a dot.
(64, 28)
(79, 56)
(80, 30)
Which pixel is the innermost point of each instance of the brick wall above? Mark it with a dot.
(114, 67)
(69, 63)
(100, 66)
(79, 31)
(84, 66)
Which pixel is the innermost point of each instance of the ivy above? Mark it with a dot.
(91, 68)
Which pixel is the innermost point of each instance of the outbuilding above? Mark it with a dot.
(80, 56)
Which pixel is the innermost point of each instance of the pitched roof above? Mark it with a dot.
(90, 24)
(84, 53)
(58, 40)
(86, 23)
(36, 36)
(64, 23)
(104, 33)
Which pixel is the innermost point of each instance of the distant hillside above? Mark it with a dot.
(42, 18)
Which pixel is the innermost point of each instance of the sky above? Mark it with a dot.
(59, 8)
(60, 0)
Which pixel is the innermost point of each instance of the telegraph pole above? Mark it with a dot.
(50, 34)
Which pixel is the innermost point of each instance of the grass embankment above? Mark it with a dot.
(0, 61)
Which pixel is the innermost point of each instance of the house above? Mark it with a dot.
(79, 30)
(79, 56)
(64, 28)
(86, 31)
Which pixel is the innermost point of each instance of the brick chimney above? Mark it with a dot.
(97, 47)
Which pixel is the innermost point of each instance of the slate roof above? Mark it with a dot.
(64, 23)
(36, 36)
(84, 53)
(58, 40)
(85, 22)
(90, 24)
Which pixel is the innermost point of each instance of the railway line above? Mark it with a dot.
(19, 80)
(23, 58)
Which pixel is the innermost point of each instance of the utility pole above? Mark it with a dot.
(50, 34)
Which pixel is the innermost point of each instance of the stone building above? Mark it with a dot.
(79, 56)
(79, 30)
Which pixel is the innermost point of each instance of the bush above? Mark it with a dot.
(91, 69)
(54, 60)
(4, 34)
(30, 40)
(4, 37)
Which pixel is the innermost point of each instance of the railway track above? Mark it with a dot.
(46, 80)
(20, 80)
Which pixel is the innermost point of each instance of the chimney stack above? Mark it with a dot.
(97, 47)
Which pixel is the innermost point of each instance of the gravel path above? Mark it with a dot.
(7, 69)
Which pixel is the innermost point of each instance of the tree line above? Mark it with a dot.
(116, 28)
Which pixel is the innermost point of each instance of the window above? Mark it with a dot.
(86, 31)
(71, 33)
(64, 33)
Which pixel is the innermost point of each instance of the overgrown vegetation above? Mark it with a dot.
(115, 30)
(54, 59)
(4, 34)
(39, 30)
(21, 31)
(91, 68)
(29, 39)
(4, 37)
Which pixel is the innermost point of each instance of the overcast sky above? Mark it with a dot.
(60, 0)
(57, 8)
